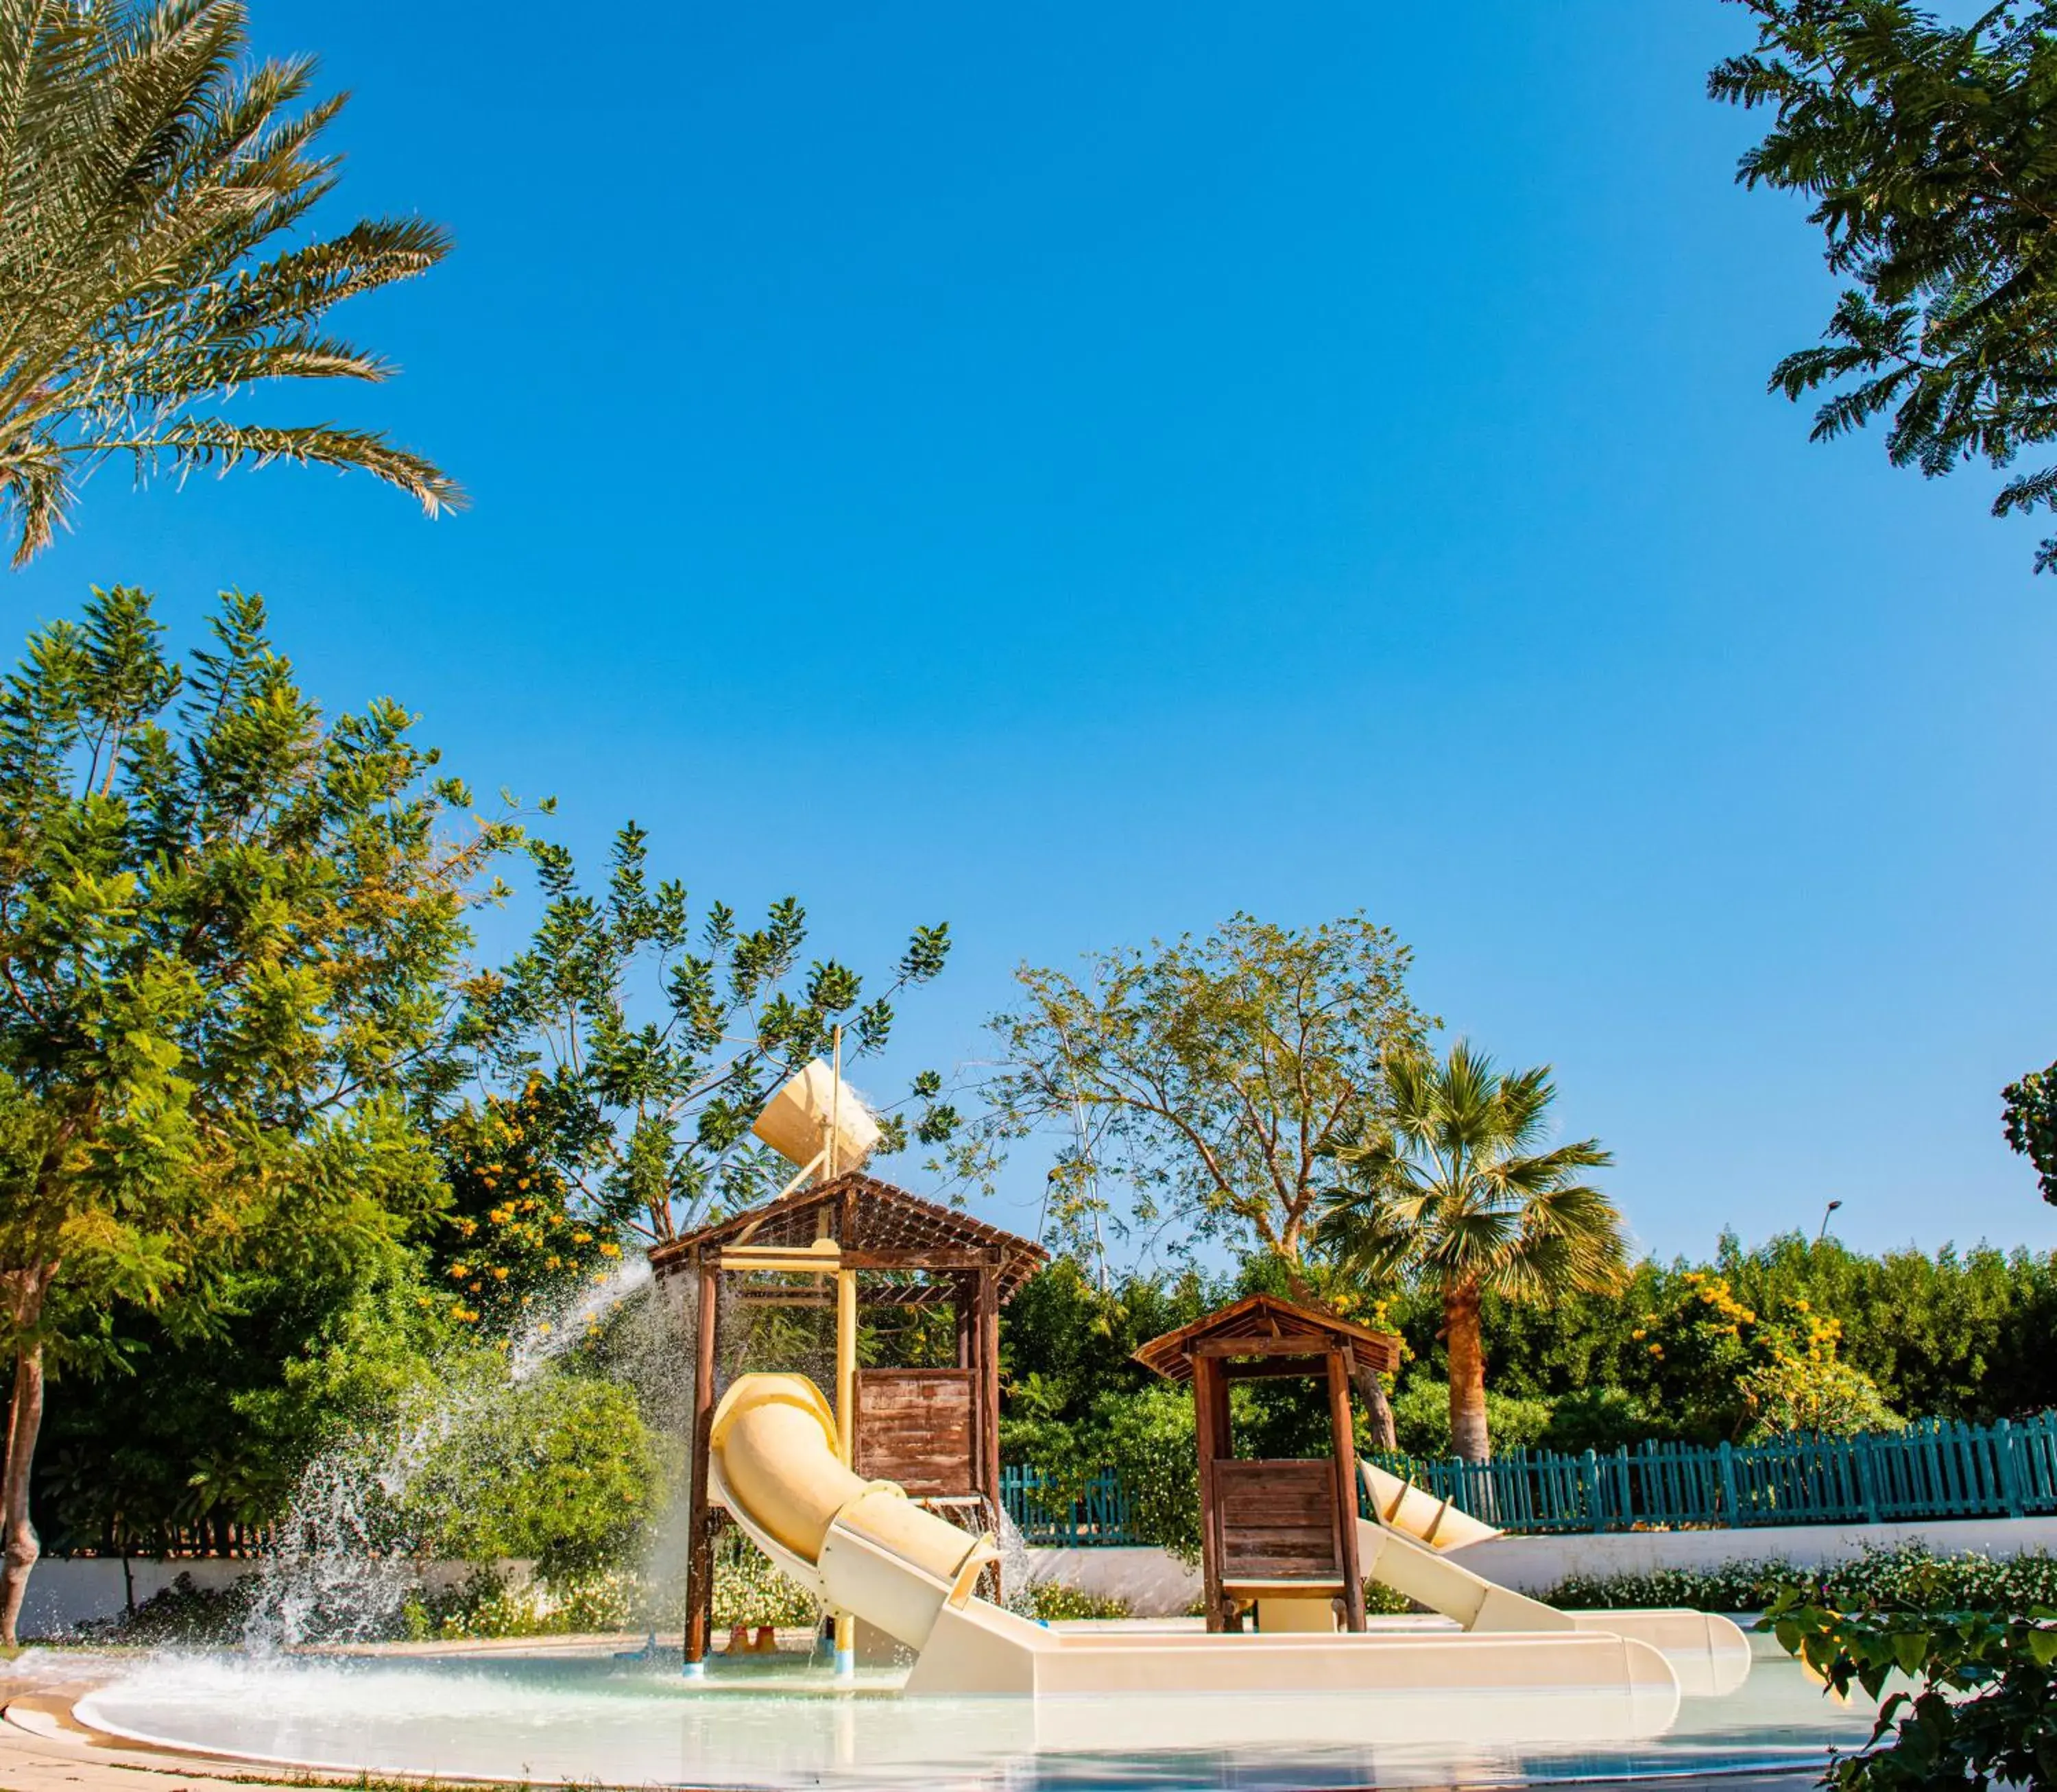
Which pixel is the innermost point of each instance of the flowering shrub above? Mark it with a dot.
(513, 1241)
(1756, 1375)
(1906, 1577)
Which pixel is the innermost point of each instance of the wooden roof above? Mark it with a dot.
(864, 1215)
(1270, 1326)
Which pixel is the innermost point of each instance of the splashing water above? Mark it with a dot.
(346, 1555)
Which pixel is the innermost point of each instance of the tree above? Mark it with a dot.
(229, 932)
(647, 1122)
(145, 167)
(1931, 153)
(1211, 1077)
(2029, 1121)
(1459, 1192)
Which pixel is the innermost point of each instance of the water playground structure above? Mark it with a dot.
(882, 1501)
(874, 1486)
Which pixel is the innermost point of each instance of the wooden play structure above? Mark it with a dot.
(1278, 1534)
(934, 1432)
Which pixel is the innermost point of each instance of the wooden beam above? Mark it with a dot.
(699, 1530)
(1260, 1347)
(1275, 1368)
(1345, 1453)
(939, 1261)
(986, 1373)
(1206, 1446)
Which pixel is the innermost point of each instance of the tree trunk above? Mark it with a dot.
(1371, 1390)
(24, 1419)
(1468, 1438)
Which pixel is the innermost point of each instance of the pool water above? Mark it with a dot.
(588, 1716)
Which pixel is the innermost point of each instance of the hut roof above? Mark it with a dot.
(1266, 1324)
(864, 1214)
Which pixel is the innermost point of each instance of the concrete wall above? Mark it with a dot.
(65, 1592)
(1154, 1583)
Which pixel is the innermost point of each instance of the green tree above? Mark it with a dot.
(1459, 1191)
(1210, 1078)
(2029, 1121)
(1930, 151)
(153, 184)
(229, 933)
(648, 1121)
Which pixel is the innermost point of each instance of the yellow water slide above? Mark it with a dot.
(1408, 1549)
(863, 1547)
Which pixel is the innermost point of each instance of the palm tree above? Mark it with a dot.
(148, 166)
(1459, 1194)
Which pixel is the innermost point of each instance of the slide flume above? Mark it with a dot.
(864, 1547)
(1405, 1550)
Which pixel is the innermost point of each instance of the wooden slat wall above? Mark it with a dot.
(914, 1426)
(1278, 1519)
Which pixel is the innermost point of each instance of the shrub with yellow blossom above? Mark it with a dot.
(1734, 1372)
(515, 1238)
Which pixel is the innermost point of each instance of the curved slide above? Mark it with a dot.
(864, 1547)
(1407, 1550)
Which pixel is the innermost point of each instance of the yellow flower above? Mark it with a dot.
(581, 1238)
(610, 1250)
(499, 1275)
(1639, 1333)
(459, 1271)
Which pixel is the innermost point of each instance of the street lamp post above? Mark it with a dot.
(1826, 1213)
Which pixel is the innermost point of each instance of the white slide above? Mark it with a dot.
(864, 1548)
(1406, 1550)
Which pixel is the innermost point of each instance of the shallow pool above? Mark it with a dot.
(588, 1716)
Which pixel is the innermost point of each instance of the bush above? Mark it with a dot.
(1052, 1601)
(1422, 1419)
(1904, 1577)
(1599, 1419)
(1985, 1707)
(563, 1473)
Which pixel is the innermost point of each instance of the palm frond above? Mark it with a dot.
(150, 181)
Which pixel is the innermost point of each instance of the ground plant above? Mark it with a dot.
(1966, 1697)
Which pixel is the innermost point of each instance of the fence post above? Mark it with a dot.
(1863, 1450)
(1731, 1503)
(1589, 1477)
(2009, 1483)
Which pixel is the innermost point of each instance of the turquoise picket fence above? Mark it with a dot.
(1933, 1469)
(1046, 1516)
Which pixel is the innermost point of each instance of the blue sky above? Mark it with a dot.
(1079, 471)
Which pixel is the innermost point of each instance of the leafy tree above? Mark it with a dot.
(1930, 150)
(1458, 1191)
(648, 1121)
(152, 180)
(1211, 1077)
(2029, 1123)
(228, 935)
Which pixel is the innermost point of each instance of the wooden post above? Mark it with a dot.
(699, 1533)
(1207, 1373)
(962, 1296)
(985, 1403)
(1345, 1449)
(846, 1404)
